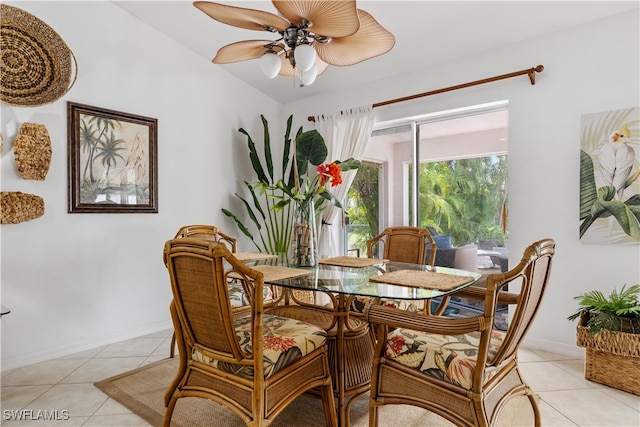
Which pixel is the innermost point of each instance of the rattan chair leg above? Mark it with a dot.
(172, 350)
(373, 415)
(329, 405)
(536, 409)
(166, 421)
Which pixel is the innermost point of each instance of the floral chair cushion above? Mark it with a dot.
(238, 296)
(449, 358)
(285, 341)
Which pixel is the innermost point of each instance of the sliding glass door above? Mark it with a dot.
(447, 171)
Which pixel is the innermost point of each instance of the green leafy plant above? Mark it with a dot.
(269, 206)
(606, 312)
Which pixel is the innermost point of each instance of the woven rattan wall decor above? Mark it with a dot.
(36, 66)
(32, 151)
(19, 207)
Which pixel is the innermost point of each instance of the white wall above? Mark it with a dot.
(76, 281)
(584, 73)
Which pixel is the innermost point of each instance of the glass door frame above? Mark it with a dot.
(411, 202)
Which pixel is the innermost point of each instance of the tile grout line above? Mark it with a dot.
(141, 364)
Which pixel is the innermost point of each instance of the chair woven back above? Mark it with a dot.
(201, 296)
(404, 244)
(528, 281)
(208, 232)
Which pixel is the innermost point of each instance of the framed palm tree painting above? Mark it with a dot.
(113, 162)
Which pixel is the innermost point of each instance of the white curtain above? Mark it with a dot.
(346, 134)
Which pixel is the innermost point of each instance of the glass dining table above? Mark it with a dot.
(332, 296)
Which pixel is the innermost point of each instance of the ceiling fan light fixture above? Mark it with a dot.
(305, 57)
(312, 36)
(309, 76)
(270, 64)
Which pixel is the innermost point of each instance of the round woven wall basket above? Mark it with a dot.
(37, 67)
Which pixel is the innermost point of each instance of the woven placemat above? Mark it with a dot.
(253, 256)
(423, 279)
(37, 67)
(273, 273)
(351, 261)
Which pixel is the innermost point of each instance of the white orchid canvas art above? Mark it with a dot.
(610, 177)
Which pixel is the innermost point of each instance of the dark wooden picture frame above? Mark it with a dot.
(113, 161)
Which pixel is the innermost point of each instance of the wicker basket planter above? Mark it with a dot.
(612, 358)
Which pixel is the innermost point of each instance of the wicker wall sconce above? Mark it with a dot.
(32, 151)
(19, 207)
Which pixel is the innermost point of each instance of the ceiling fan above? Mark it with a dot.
(312, 36)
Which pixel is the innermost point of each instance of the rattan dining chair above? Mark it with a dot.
(412, 245)
(460, 368)
(254, 365)
(404, 244)
(208, 232)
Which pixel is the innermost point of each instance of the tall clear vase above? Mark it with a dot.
(303, 251)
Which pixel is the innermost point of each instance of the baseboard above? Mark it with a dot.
(553, 347)
(65, 350)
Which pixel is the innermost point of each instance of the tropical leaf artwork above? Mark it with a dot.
(610, 177)
(113, 160)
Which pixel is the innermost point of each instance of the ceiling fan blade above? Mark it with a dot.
(371, 40)
(241, 51)
(328, 18)
(250, 19)
(287, 70)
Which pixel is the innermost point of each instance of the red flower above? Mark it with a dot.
(395, 345)
(330, 172)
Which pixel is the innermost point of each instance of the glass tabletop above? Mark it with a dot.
(358, 280)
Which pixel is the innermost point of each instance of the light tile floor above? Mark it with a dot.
(566, 398)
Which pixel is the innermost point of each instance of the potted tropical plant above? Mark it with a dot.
(269, 205)
(609, 330)
(620, 311)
